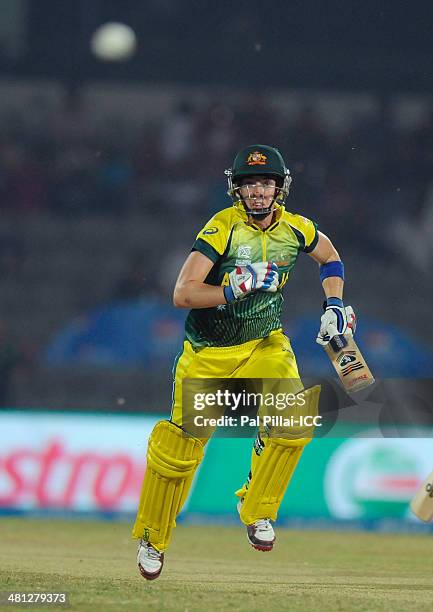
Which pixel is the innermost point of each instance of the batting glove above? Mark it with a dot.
(262, 276)
(336, 320)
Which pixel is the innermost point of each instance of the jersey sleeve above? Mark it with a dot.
(311, 235)
(212, 240)
(306, 232)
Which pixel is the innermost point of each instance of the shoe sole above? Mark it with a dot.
(147, 575)
(261, 547)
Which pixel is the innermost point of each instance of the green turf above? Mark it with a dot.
(211, 569)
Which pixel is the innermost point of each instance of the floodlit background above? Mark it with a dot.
(109, 168)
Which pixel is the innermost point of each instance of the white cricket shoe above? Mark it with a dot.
(150, 561)
(260, 534)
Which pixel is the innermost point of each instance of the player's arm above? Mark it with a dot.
(337, 319)
(325, 254)
(190, 290)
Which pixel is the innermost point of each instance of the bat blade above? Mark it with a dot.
(349, 363)
(422, 503)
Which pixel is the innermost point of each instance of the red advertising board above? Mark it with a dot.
(72, 462)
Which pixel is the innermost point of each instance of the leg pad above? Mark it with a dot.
(273, 464)
(172, 459)
(269, 480)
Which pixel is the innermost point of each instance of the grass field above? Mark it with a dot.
(212, 569)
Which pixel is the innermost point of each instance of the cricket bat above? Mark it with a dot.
(422, 503)
(349, 363)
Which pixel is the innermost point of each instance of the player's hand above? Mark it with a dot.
(261, 276)
(336, 320)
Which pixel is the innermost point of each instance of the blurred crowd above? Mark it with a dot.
(367, 181)
(372, 175)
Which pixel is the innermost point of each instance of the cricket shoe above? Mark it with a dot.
(150, 561)
(260, 534)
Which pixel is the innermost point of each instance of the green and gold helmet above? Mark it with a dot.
(259, 160)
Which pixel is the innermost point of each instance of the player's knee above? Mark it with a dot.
(172, 453)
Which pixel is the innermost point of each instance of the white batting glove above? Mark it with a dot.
(261, 276)
(336, 320)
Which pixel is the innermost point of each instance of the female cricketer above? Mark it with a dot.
(232, 282)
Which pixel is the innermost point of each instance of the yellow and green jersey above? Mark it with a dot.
(229, 239)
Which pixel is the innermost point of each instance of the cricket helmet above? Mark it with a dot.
(259, 160)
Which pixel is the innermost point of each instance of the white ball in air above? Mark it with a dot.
(114, 42)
